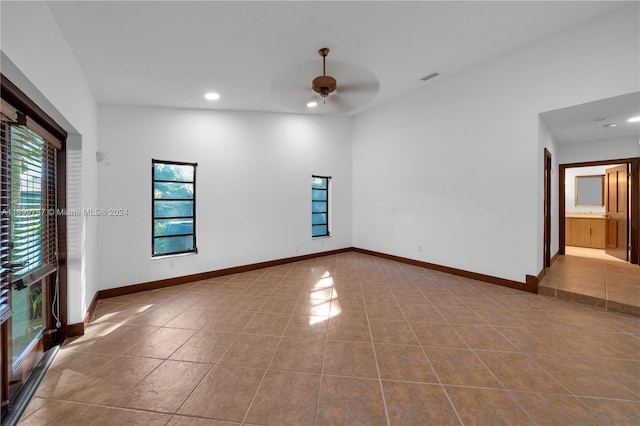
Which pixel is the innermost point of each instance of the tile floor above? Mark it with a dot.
(590, 252)
(349, 339)
(607, 284)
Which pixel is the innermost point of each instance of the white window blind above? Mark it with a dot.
(28, 208)
(33, 205)
(5, 219)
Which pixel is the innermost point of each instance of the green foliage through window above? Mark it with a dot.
(174, 208)
(320, 206)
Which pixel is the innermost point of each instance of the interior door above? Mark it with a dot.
(617, 212)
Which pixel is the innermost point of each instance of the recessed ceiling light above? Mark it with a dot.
(312, 104)
(634, 119)
(609, 125)
(212, 96)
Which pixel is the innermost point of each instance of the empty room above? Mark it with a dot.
(320, 213)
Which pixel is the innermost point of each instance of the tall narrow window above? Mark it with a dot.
(174, 208)
(320, 206)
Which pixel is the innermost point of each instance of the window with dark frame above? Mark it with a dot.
(320, 206)
(174, 208)
(33, 314)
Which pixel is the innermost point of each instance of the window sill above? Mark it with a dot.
(165, 256)
(321, 237)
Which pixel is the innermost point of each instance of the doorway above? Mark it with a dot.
(607, 283)
(594, 195)
(610, 225)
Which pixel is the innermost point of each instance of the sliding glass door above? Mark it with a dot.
(29, 253)
(33, 238)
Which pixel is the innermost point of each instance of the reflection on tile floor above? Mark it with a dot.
(611, 285)
(347, 339)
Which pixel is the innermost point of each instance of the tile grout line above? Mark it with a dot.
(504, 389)
(324, 354)
(215, 364)
(255, 394)
(444, 390)
(373, 347)
(508, 391)
(528, 356)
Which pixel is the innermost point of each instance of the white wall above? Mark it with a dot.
(610, 149)
(457, 168)
(252, 191)
(570, 192)
(36, 57)
(442, 168)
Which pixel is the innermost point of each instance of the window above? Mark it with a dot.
(32, 233)
(5, 223)
(174, 208)
(320, 206)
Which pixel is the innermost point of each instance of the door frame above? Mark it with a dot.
(546, 247)
(634, 196)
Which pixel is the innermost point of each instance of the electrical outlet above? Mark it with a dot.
(297, 249)
(419, 249)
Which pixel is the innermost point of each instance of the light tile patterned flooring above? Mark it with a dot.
(607, 284)
(348, 339)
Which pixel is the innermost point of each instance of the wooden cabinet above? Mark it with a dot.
(585, 232)
(598, 229)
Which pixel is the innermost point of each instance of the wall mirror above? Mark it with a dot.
(589, 190)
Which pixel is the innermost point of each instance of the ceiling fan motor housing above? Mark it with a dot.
(324, 85)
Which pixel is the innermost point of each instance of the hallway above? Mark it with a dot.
(608, 284)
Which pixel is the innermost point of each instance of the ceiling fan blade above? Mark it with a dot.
(341, 103)
(296, 86)
(368, 86)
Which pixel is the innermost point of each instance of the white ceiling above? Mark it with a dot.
(585, 122)
(169, 53)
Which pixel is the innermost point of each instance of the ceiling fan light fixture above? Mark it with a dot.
(324, 84)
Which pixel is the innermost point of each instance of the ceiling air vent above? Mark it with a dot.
(430, 76)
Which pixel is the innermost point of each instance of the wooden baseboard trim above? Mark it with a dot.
(74, 330)
(78, 329)
(555, 257)
(153, 285)
(529, 286)
(533, 282)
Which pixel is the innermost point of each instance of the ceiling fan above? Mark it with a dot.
(324, 84)
(358, 86)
